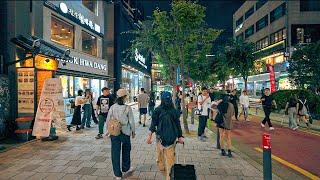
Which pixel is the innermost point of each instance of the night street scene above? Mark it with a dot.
(160, 89)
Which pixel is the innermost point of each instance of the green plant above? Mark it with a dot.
(282, 97)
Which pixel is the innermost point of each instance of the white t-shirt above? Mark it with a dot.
(78, 100)
(205, 105)
(244, 100)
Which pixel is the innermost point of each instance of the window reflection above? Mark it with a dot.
(89, 43)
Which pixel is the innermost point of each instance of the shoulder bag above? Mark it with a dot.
(114, 125)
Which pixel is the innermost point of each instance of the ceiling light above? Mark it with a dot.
(63, 28)
(69, 31)
(55, 25)
(92, 37)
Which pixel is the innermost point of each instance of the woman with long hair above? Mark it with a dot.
(76, 118)
(86, 119)
(291, 110)
(226, 112)
(166, 124)
(121, 144)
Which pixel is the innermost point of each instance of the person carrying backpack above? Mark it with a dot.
(303, 110)
(166, 124)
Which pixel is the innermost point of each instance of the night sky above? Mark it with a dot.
(219, 13)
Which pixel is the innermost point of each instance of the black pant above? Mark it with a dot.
(116, 143)
(236, 111)
(202, 125)
(267, 112)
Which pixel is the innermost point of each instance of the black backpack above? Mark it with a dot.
(167, 129)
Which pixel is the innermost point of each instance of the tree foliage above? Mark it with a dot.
(304, 66)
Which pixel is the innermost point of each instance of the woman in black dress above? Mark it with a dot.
(76, 119)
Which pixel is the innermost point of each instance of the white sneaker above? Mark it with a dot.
(262, 125)
(117, 178)
(128, 173)
(295, 128)
(271, 128)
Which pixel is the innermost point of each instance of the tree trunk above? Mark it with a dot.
(245, 83)
(224, 85)
(183, 104)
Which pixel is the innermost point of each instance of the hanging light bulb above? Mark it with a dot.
(69, 31)
(63, 28)
(55, 25)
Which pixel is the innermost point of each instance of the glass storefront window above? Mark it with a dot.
(71, 88)
(95, 88)
(81, 83)
(64, 83)
(89, 44)
(62, 32)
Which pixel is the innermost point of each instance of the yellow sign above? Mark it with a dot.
(42, 62)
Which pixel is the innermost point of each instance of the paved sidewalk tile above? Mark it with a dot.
(78, 155)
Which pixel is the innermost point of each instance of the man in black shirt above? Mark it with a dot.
(267, 102)
(105, 101)
(234, 100)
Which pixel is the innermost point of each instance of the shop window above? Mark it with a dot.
(239, 21)
(309, 5)
(62, 32)
(81, 83)
(262, 43)
(263, 22)
(278, 12)
(249, 31)
(90, 4)
(89, 44)
(95, 88)
(260, 3)
(278, 36)
(249, 12)
(64, 83)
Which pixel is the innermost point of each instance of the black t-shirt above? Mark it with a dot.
(268, 100)
(233, 99)
(105, 102)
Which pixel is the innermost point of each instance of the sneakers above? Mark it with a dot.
(262, 125)
(139, 122)
(99, 136)
(204, 136)
(295, 128)
(144, 125)
(128, 173)
(117, 178)
(200, 138)
(223, 152)
(229, 153)
(271, 128)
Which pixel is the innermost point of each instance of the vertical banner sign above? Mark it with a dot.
(272, 78)
(178, 76)
(50, 107)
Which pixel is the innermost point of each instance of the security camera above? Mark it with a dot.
(67, 52)
(47, 60)
(36, 43)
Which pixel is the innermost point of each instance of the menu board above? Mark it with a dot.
(25, 90)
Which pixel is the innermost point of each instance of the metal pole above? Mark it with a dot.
(267, 166)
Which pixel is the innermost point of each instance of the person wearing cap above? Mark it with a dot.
(166, 124)
(121, 144)
(105, 101)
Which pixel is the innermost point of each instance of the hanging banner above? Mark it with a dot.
(50, 108)
(272, 78)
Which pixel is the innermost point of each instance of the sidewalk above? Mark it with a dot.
(78, 155)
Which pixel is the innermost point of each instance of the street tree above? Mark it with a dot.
(304, 66)
(240, 58)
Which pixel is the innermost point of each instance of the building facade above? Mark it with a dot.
(275, 27)
(76, 27)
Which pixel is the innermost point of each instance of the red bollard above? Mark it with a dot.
(266, 145)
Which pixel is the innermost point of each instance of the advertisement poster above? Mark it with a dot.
(50, 108)
(272, 78)
(25, 90)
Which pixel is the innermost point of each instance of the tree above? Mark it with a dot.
(221, 68)
(240, 58)
(182, 39)
(304, 66)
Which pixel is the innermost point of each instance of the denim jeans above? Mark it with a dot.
(202, 125)
(118, 143)
(86, 119)
(102, 121)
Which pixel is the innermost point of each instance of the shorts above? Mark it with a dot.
(143, 110)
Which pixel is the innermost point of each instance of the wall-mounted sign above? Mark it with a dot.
(75, 16)
(85, 62)
(140, 59)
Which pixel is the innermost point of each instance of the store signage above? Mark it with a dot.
(238, 28)
(85, 63)
(272, 78)
(140, 59)
(25, 90)
(50, 107)
(75, 16)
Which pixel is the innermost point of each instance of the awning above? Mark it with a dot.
(84, 75)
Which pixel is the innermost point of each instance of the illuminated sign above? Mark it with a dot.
(85, 63)
(140, 59)
(75, 16)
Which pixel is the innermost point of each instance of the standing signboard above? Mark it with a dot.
(50, 108)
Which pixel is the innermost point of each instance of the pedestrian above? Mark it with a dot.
(234, 101)
(94, 117)
(267, 103)
(291, 110)
(143, 100)
(121, 144)
(226, 112)
(86, 119)
(303, 110)
(245, 102)
(166, 124)
(151, 104)
(187, 102)
(76, 118)
(105, 101)
(178, 102)
(204, 103)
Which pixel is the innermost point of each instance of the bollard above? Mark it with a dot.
(267, 167)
